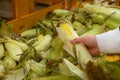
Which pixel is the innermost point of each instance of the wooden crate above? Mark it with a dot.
(22, 7)
(25, 22)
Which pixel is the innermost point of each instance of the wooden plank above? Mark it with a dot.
(20, 8)
(26, 22)
(117, 2)
(31, 6)
(89, 0)
(47, 2)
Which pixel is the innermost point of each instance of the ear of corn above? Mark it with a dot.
(43, 29)
(96, 29)
(43, 43)
(9, 62)
(82, 55)
(1, 50)
(61, 12)
(18, 74)
(106, 19)
(56, 51)
(22, 45)
(46, 22)
(69, 49)
(29, 33)
(76, 71)
(67, 27)
(40, 40)
(66, 33)
(39, 37)
(13, 50)
(113, 57)
(4, 30)
(98, 18)
(37, 67)
(77, 25)
(2, 70)
(64, 70)
(111, 15)
(80, 28)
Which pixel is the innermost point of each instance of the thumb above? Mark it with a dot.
(94, 51)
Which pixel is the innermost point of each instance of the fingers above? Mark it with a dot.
(92, 48)
(76, 40)
(81, 39)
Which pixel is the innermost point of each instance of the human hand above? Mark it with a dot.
(89, 41)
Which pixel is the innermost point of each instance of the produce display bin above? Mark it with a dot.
(81, 63)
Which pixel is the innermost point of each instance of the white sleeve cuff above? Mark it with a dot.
(109, 42)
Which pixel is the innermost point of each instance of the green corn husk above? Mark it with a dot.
(2, 71)
(55, 41)
(43, 43)
(40, 40)
(98, 18)
(18, 74)
(4, 30)
(1, 62)
(96, 29)
(80, 16)
(66, 33)
(111, 15)
(75, 70)
(64, 70)
(80, 28)
(29, 33)
(22, 45)
(83, 59)
(9, 62)
(46, 22)
(13, 50)
(77, 25)
(56, 52)
(57, 78)
(1, 50)
(38, 67)
(32, 75)
(91, 8)
(62, 12)
(43, 29)
(110, 22)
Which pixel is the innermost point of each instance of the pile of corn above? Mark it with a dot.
(45, 53)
